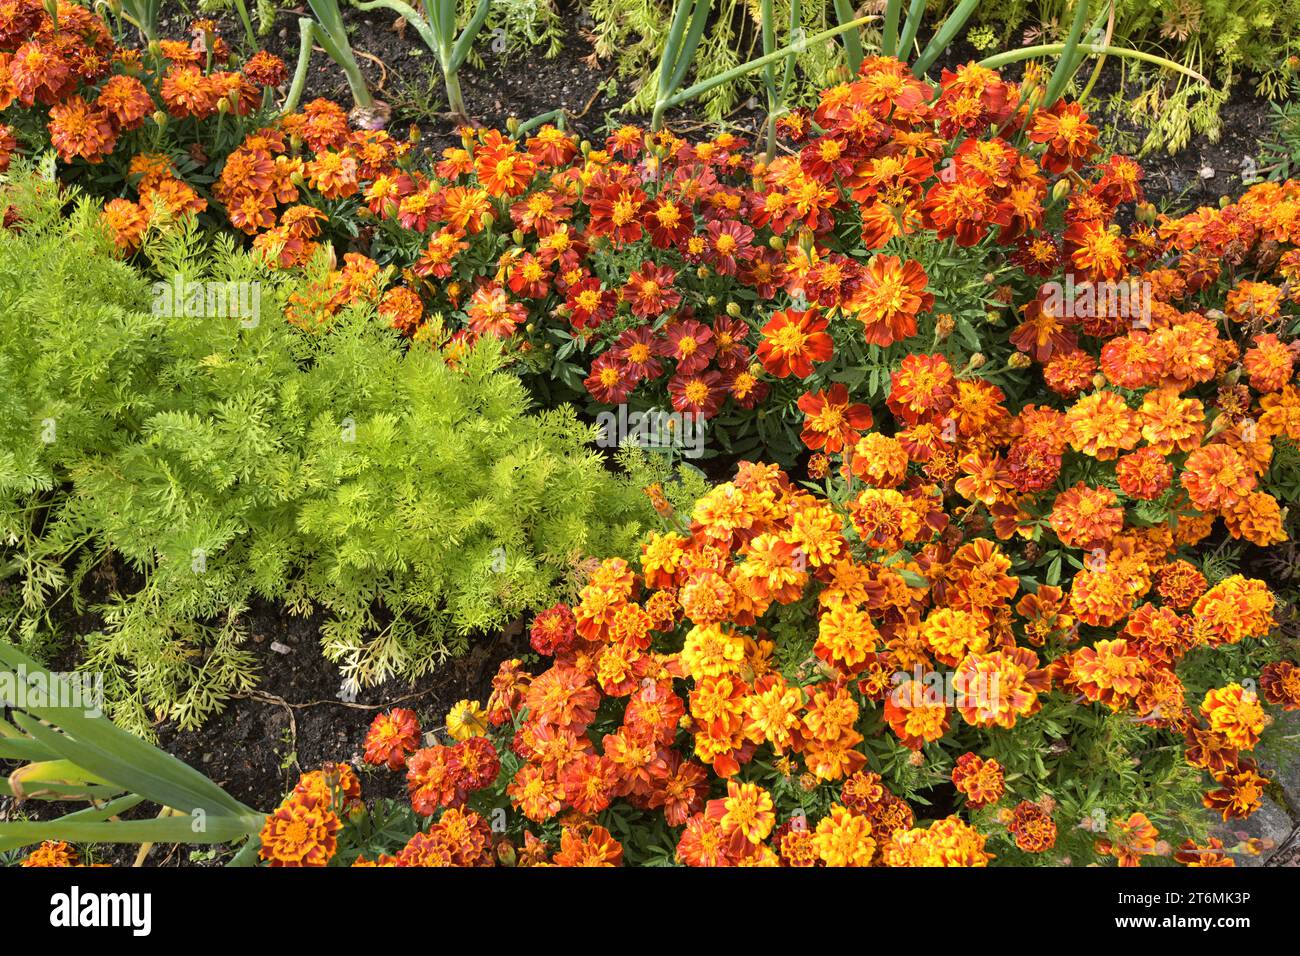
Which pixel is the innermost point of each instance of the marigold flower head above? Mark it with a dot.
(1234, 609)
(392, 737)
(1033, 827)
(1235, 714)
(300, 833)
(843, 838)
(979, 779)
(51, 853)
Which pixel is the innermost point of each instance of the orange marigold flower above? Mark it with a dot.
(980, 780)
(1234, 609)
(1269, 363)
(300, 833)
(1070, 139)
(1235, 714)
(923, 388)
(1085, 517)
(830, 421)
(51, 853)
(76, 129)
(126, 221)
(916, 714)
(1133, 839)
(889, 298)
(594, 847)
(1257, 518)
(947, 842)
(793, 341)
(1180, 583)
(1144, 474)
(392, 737)
(1171, 423)
(187, 92)
(843, 838)
(1108, 673)
(1217, 477)
(1102, 425)
(1191, 853)
(1033, 827)
(1240, 793)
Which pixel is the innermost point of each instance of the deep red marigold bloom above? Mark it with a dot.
(1280, 683)
(793, 341)
(553, 631)
(649, 290)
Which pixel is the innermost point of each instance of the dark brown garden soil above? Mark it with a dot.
(294, 719)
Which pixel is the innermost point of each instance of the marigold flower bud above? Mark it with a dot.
(1019, 360)
(1061, 190)
(977, 360)
(944, 324)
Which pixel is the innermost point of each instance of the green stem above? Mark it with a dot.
(999, 60)
(305, 31)
(738, 71)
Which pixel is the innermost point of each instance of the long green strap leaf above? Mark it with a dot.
(941, 40)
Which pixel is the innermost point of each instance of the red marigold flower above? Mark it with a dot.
(729, 244)
(553, 631)
(649, 290)
(1190, 853)
(688, 342)
(392, 736)
(697, 393)
(1280, 683)
(265, 69)
(831, 423)
(614, 208)
(608, 381)
(793, 341)
(1032, 827)
(1032, 465)
(1071, 140)
(922, 389)
(669, 222)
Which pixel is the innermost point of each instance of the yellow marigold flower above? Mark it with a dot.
(709, 651)
(1235, 714)
(747, 812)
(467, 719)
(843, 838)
(953, 633)
(946, 842)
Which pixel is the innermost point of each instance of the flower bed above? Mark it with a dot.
(994, 608)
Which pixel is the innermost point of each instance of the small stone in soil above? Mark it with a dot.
(281, 648)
